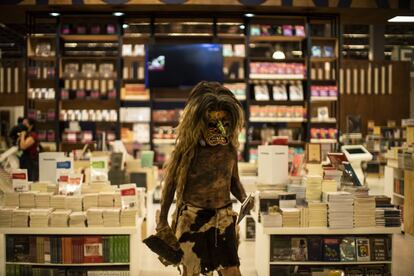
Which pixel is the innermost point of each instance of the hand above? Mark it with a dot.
(23, 133)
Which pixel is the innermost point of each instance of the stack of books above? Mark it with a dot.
(74, 203)
(318, 214)
(106, 200)
(43, 200)
(299, 190)
(27, 200)
(271, 219)
(20, 218)
(11, 199)
(60, 218)
(77, 219)
(117, 200)
(364, 211)
(304, 217)
(287, 200)
(313, 185)
(387, 217)
(340, 210)
(128, 217)
(290, 217)
(6, 216)
(111, 217)
(94, 216)
(90, 200)
(57, 201)
(330, 173)
(329, 185)
(40, 217)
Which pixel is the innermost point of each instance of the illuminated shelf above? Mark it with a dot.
(254, 76)
(82, 264)
(329, 231)
(329, 263)
(324, 99)
(324, 141)
(277, 120)
(74, 37)
(277, 38)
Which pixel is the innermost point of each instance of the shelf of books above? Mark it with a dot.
(324, 85)
(284, 250)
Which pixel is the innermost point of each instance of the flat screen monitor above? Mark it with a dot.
(183, 65)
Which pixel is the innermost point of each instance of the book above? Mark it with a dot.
(21, 249)
(279, 92)
(299, 247)
(316, 51)
(243, 209)
(363, 249)
(379, 249)
(315, 249)
(261, 93)
(347, 249)
(375, 270)
(331, 252)
(93, 251)
(280, 249)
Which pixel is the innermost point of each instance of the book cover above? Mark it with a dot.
(315, 249)
(331, 252)
(316, 51)
(299, 247)
(261, 93)
(93, 249)
(111, 249)
(279, 92)
(347, 248)
(379, 249)
(363, 249)
(280, 249)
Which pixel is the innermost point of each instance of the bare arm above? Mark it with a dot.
(26, 142)
(237, 188)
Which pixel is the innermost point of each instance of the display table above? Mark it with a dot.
(135, 245)
(263, 261)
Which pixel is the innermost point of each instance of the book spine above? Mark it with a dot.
(111, 249)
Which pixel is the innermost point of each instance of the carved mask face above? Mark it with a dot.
(217, 128)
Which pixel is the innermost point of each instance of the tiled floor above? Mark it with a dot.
(403, 252)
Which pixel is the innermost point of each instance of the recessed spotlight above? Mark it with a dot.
(242, 27)
(118, 13)
(54, 14)
(249, 14)
(401, 19)
(125, 26)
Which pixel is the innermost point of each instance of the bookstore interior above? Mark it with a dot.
(103, 117)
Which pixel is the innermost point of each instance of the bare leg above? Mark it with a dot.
(230, 271)
(185, 272)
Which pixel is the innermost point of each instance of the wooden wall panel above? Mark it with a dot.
(375, 101)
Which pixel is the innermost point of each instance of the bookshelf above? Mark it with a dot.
(250, 63)
(135, 245)
(263, 249)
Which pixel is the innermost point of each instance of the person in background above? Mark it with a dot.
(14, 132)
(29, 144)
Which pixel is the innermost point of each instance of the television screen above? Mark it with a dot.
(183, 65)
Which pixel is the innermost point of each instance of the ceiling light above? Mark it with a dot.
(242, 27)
(54, 14)
(249, 14)
(118, 13)
(402, 19)
(125, 26)
(278, 55)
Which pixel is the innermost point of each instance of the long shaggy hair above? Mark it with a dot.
(205, 97)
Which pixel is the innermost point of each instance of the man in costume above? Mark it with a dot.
(203, 172)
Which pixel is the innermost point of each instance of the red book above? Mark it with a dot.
(92, 249)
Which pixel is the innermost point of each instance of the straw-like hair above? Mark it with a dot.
(205, 97)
